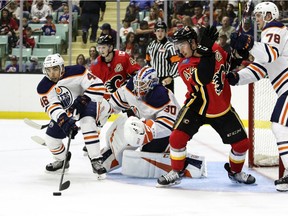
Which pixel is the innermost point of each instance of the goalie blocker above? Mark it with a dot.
(136, 163)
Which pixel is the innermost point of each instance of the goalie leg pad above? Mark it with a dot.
(153, 165)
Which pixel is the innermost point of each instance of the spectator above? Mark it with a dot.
(222, 41)
(49, 27)
(34, 66)
(132, 14)
(232, 15)
(14, 9)
(247, 26)
(141, 61)
(90, 16)
(226, 28)
(13, 66)
(39, 12)
(107, 30)
(144, 33)
(8, 26)
(126, 28)
(64, 18)
(28, 39)
(93, 54)
(198, 18)
(130, 46)
(143, 5)
(153, 17)
(80, 60)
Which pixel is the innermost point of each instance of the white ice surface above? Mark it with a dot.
(26, 190)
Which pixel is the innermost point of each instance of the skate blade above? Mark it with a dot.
(101, 176)
(282, 187)
(57, 172)
(167, 186)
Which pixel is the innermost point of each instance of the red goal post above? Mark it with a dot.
(263, 151)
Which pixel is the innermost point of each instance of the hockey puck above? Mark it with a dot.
(57, 193)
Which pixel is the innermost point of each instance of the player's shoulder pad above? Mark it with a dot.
(44, 85)
(130, 85)
(73, 70)
(158, 96)
(273, 24)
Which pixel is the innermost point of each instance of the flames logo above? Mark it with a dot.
(114, 83)
(218, 80)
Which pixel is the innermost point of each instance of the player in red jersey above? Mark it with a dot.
(202, 68)
(113, 67)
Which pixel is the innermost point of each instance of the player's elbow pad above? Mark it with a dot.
(137, 132)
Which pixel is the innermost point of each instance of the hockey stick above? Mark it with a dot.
(65, 185)
(249, 7)
(34, 124)
(38, 140)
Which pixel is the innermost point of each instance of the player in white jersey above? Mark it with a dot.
(152, 111)
(271, 61)
(68, 94)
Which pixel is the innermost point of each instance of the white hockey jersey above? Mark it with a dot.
(271, 58)
(160, 105)
(56, 98)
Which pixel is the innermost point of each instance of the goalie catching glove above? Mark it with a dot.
(137, 132)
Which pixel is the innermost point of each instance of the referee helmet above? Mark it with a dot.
(160, 25)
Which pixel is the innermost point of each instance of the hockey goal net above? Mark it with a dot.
(263, 151)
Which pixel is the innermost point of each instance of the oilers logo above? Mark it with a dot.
(65, 96)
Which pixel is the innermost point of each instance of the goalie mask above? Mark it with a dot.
(144, 81)
(53, 67)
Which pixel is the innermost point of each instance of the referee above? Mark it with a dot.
(161, 55)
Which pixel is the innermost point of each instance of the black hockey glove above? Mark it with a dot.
(241, 42)
(209, 36)
(233, 78)
(67, 124)
(79, 104)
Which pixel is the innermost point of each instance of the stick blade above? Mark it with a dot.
(38, 140)
(33, 124)
(64, 186)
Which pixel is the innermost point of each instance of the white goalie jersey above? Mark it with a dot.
(271, 58)
(160, 105)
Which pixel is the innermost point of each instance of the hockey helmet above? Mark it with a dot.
(144, 81)
(52, 61)
(185, 33)
(105, 39)
(266, 7)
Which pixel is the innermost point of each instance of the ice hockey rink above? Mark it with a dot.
(27, 190)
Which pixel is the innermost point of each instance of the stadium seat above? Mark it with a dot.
(26, 53)
(41, 53)
(62, 30)
(4, 43)
(50, 42)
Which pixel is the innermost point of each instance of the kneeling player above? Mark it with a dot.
(139, 141)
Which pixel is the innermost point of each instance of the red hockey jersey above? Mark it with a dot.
(115, 73)
(213, 99)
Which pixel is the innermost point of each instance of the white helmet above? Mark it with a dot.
(144, 81)
(51, 61)
(265, 7)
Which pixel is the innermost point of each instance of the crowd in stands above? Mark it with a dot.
(137, 29)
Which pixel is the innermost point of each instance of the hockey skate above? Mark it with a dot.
(98, 168)
(240, 177)
(282, 183)
(169, 179)
(57, 165)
